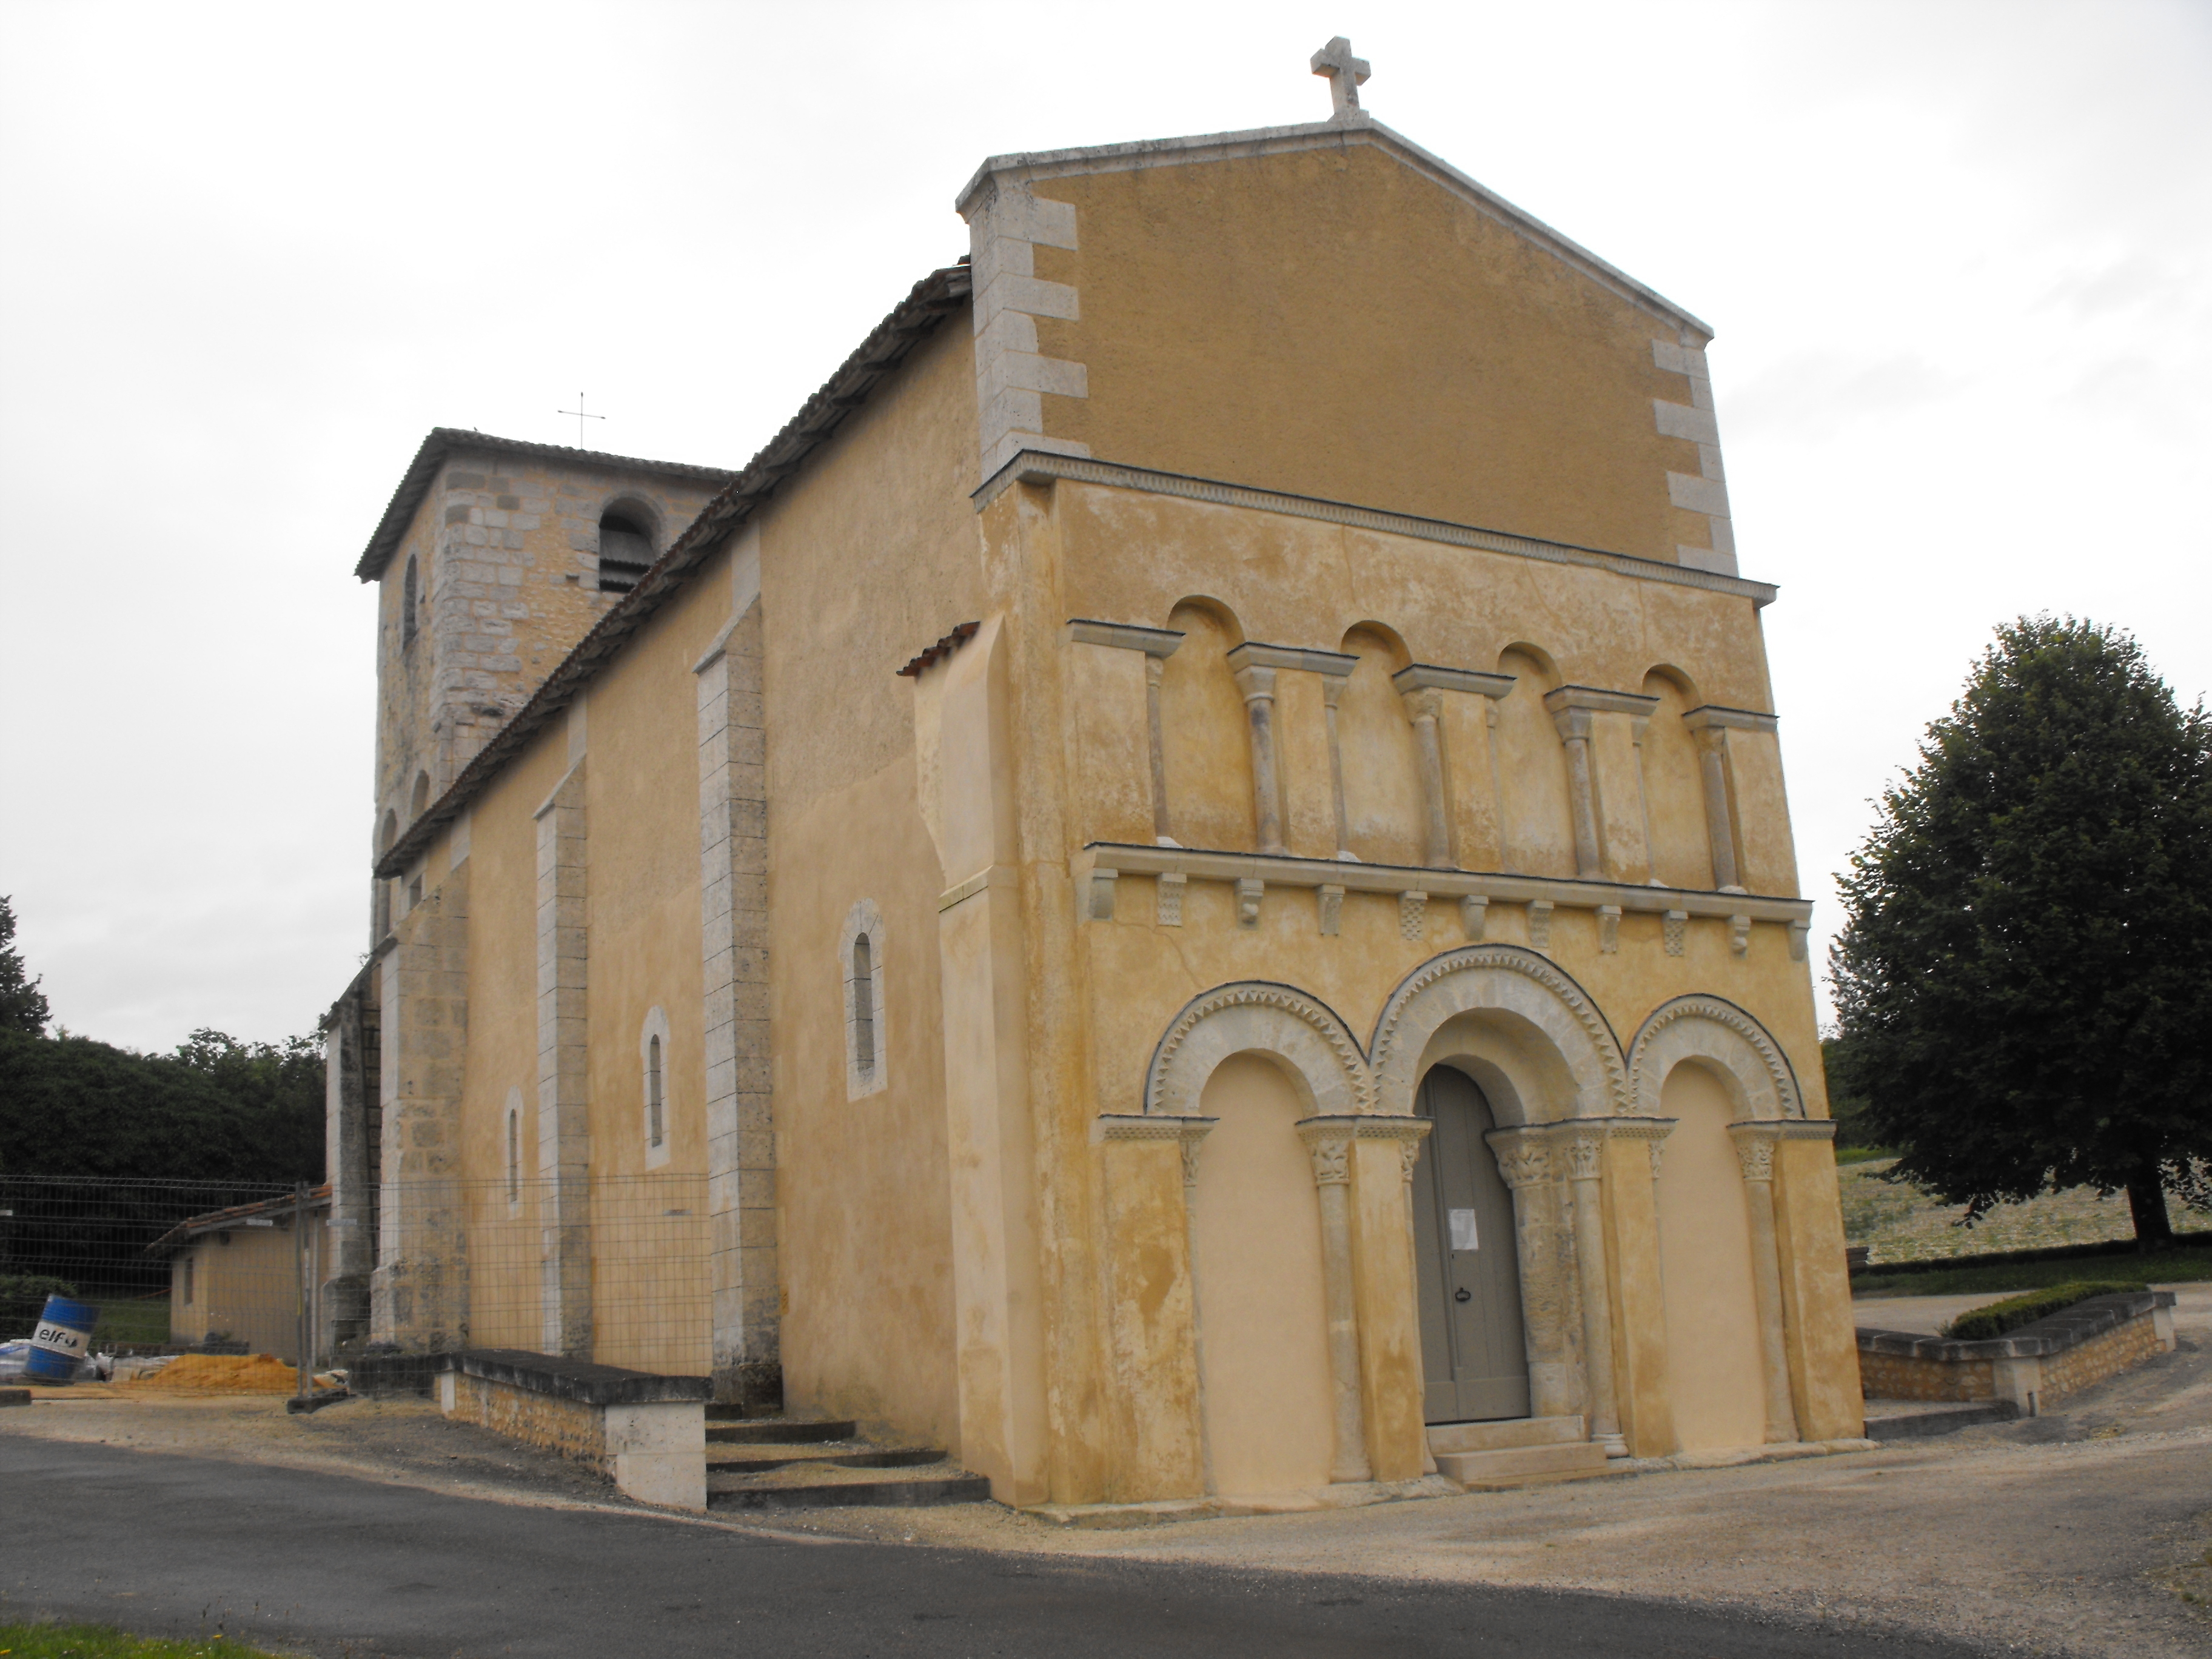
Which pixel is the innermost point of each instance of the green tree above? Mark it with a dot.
(215, 1111)
(2024, 982)
(22, 1005)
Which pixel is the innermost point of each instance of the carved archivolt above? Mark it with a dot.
(1706, 1028)
(1508, 979)
(1257, 1017)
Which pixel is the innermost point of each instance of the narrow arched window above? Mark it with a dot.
(625, 553)
(656, 1126)
(409, 586)
(864, 1008)
(860, 966)
(513, 1155)
(653, 1047)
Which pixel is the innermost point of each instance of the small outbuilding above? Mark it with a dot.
(236, 1274)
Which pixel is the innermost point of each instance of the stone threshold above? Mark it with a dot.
(1360, 1494)
(1730, 1457)
(1347, 1495)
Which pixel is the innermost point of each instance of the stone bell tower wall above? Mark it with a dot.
(502, 540)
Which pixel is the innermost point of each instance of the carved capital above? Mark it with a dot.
(1424, 705)
(1329, 1143)
(1584, 1149)
(1523, 1159)
(1258, 685)
(1755, 1148)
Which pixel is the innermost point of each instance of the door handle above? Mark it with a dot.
(1462, 1294)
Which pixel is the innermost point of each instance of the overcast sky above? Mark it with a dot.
(1959, 257)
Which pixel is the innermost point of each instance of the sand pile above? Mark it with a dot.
(224, 1373)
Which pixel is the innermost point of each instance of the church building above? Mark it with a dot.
(1183, 887)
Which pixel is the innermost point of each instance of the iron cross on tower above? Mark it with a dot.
(578, 412)
(1346, 75)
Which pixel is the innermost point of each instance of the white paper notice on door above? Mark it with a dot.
(1463, 1230)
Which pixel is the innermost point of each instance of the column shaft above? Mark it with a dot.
(1720, 823)
(1258, 685)
(1424, 708)
(1586, 1151)
(1755, 1147)
(1331, 1150)
(1574, 725)
(1155, 668)
(1332, 692)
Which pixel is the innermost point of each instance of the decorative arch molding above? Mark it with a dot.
(1257, 1016)
(1505, 979)
(1721, 1034)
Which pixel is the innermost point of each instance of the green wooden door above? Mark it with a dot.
(1474, 1363)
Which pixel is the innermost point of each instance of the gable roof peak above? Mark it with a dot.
(1352, 127)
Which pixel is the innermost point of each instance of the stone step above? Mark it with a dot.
(778, 1457)
(1914, 1420)
(1504, 1434)
(776, 1431)
(1521, 1466)
(816, 1484)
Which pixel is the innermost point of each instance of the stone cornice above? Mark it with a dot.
(1737, 719)
(1127, 859)
(1428, 677)
(1033, 466)
(1599, 701)
(1253, 654)
(1126, 637)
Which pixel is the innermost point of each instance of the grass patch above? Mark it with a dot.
(1999, 1317)
(105, 1642)
(143, 1320)
(2158, 1268)
(1862, 1154)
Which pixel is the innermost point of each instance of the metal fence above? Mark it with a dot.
(611, 1268)
(169, 1264)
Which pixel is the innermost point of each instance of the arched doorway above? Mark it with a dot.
(1475, 1357)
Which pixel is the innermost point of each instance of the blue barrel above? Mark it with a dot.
(63, 1337)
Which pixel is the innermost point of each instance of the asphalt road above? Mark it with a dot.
(177, 1545)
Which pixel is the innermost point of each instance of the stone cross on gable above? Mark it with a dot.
(1345, 75)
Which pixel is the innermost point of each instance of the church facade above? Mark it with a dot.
(1187, 877)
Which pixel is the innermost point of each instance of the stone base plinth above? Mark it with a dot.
(649, 1432)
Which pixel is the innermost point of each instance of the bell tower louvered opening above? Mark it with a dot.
(625, 553)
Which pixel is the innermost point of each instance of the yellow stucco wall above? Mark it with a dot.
(1332, 322)
(866, 560)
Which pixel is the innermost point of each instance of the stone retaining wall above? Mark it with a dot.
(649, 1432)
(2032, 1366)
